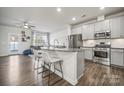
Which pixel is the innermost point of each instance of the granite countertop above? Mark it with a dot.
(110, 48)
(87, 47)
(116, 48)
(63, 49)
(70, 49)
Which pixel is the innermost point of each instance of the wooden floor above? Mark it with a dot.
(18, 71)
(101, 75)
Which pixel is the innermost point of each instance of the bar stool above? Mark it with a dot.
(38, 58)
(49, 60)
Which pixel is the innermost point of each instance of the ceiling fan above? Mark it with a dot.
(25, 25)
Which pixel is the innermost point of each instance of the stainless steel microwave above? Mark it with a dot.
(106, 34)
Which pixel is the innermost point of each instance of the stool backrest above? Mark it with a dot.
(37, 53)
(46, 56)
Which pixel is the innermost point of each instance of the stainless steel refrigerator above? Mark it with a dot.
(75, 41)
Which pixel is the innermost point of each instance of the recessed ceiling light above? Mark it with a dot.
(101, 8)
(59, 9)
(73, 18)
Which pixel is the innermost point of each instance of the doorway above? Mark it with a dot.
(13, 44)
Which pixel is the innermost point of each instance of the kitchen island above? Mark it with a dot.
(73, 63)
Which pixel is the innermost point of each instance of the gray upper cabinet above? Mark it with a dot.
(91, 31)
(106, 25)
(98, 27)
(117, 27)
(84, 32)
(88, 31)
(102, 26)
(122, 26)
(76, 30)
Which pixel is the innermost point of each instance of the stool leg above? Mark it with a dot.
(37, 65)
(43, 68)
(54, 67)
(34, 65)
(60, 63)
(34, 62)
(49, 74)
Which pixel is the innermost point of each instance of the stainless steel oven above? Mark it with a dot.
(102, 54)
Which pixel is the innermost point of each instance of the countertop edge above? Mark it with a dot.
(65, 50)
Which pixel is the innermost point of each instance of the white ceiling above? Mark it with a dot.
(47, 19)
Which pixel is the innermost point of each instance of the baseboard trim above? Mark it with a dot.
(121, 67)
(80, 76)
(9, 55)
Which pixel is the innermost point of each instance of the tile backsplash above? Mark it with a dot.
(117, 43)
(89, 43)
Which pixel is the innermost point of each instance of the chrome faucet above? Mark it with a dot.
(55, 41)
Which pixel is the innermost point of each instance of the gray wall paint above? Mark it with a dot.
(61, 36)
(4, 48)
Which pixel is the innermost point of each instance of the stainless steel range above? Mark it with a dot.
(102, 53)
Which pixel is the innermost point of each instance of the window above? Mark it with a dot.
(13, 42)
(40, 39)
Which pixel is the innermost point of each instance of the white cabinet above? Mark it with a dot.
(106, 25)
(102, 25)
(98, 27)
(117, 57)
(76, 30)
(85, 32)
(122, 26)
(88, 53)
(117, 27)
(91, 31)
(88, 31)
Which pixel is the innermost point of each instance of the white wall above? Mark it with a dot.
(4, 43)
(61, 36)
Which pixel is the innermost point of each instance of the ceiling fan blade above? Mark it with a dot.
(33, 26)
(24, 24)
